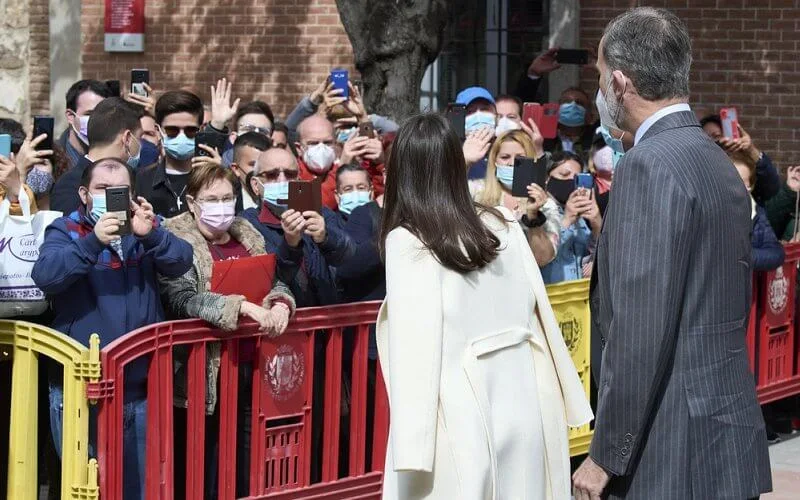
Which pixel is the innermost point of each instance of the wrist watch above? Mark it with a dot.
(537, 222)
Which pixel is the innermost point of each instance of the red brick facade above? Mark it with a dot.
(745, 55)
(273, 50)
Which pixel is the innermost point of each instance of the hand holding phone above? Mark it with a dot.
(305, 196)
(528, 171)
(211, 139)
(43, 125)
(584, 183)
(5, 145)
(366, 129)
(340, 80)
(730, 123)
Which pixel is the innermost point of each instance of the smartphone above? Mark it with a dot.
(138, 78)
(305, 196)
(44, 125)
(114, 87)
(339, 77)
(572, 56)
(118, 202)
(366, 129)
(210, 139)
(528, 171)
(457, 114)
(532, 111)
(584, 181)
(730, 122)
(5, 145)
(548, 120)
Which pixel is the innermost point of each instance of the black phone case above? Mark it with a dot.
(44, 125)
(210, 139)
(528, 171)
(457, 114)
(139, 76)
(572, 56)
(118, 200)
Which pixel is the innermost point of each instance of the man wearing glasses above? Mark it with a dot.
(309, 242)
(179, 115)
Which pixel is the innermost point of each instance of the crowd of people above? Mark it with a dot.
(189, 211)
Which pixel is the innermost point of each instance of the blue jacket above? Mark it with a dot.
(306, 269)
(575, 243)
(92, 291)
(768, 253)
(363, 276)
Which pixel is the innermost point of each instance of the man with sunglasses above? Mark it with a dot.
(179, 116)
(306, 244)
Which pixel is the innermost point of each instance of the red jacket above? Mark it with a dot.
(329, 180)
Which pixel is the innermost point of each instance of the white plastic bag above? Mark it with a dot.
(20, 239)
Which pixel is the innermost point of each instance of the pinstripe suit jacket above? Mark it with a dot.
(677, 414)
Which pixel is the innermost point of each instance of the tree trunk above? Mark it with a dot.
(393, 42)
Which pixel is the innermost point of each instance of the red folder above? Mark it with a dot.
(250, 276)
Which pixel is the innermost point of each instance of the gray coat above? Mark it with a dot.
(677, 414)
(190, 297)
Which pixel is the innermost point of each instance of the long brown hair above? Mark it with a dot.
(427, 194)
(492, 193)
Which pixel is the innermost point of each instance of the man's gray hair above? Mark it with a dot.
(651, 47)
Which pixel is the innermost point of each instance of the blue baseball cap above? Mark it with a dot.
(468, 95)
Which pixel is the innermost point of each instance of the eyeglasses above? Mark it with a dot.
(274, 174)
(252, 128)
(172, 131)
(225, 199)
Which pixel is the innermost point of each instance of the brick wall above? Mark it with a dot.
(273, 50)
(745, 55)
(39, 57)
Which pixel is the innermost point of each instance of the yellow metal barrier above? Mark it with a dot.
(570, 301)
(78, 473)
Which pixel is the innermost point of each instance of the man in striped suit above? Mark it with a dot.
(677, 415)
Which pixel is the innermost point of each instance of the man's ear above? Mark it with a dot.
(255, 185)
(619, 84)
(84, 195)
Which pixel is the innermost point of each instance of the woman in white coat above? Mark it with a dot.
(481, 386)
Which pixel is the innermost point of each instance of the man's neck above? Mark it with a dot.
(76, 143)
(100, 152)
(644, 110)
(178, 165)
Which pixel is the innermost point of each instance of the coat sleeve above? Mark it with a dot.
(648, 247)
(780, 209)
(183, 300)
(768, 253)
(366, 260)
(768, 182)
(62, 260)
(414, 305)
(172, 256)
(337, 246)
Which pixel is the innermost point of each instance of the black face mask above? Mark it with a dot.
(561, 189)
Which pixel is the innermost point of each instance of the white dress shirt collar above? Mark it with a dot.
(661, 113)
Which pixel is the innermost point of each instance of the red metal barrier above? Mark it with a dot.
(282, 443)
(778, 367)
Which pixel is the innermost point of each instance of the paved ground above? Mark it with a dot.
(785, 458)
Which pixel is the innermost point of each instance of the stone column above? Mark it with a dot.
(14, 60)
(564, 32)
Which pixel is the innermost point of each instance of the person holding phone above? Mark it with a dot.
(537, 214)
(99, 281)
(306, 244)
(580, 220)
(466, 316)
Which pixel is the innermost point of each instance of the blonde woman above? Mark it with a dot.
(538, 213)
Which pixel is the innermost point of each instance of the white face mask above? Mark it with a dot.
(319, 158)
(505, 124)
(609, 110)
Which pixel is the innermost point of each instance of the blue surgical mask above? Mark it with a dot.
(133, 161)
(98, 206)
(179, 147)
(479, 120)
(504, 174)
(617, 148)
(274, 191)
(352, 200)
(572, 114)
(345, 135)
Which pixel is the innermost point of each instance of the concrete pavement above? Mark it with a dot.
(785, 460)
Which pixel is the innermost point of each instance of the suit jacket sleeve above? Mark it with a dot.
(414, 305)
(527, 87)
(648, 246)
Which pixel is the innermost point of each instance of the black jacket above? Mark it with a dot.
(153, 185)
(64, 195)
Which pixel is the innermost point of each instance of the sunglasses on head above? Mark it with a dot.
(274, 174)
(172, 131)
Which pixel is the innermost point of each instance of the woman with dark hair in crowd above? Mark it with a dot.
(466, 313)
(580, 221)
